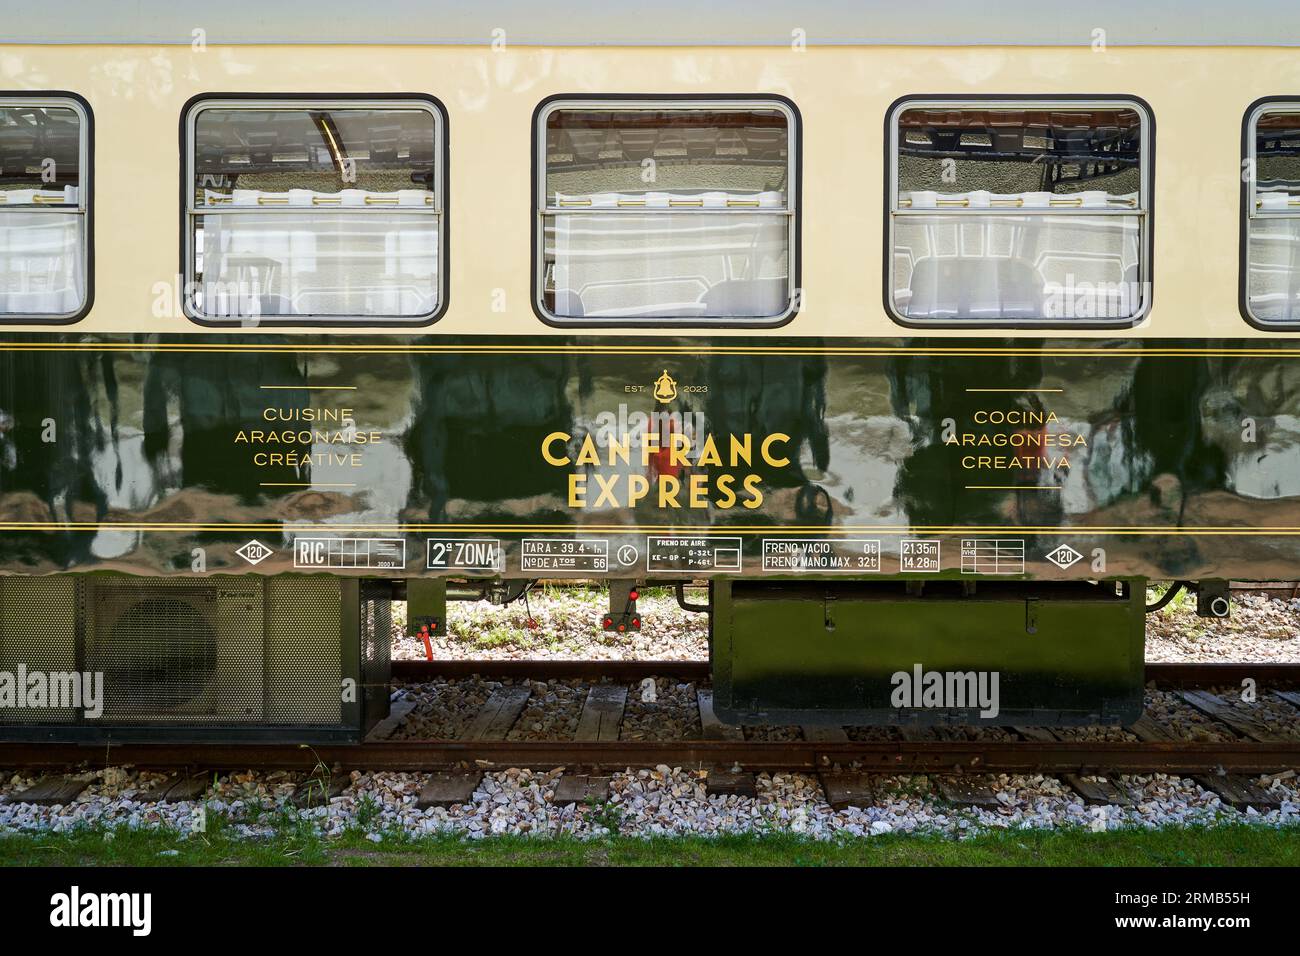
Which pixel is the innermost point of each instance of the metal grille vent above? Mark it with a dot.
(164, 645)
(304, 669)
(38, 631)
(177, 651)
(228, 657)
(376, 652)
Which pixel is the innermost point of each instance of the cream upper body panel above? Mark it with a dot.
(1197, 97)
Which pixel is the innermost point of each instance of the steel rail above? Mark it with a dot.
(1162, 674)
(418, 670)
(891, 757)
(998, 756)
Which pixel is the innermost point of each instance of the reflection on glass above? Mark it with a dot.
(315, 212)
(42, 228)
(1273, 225)
(1017, 267)
(667, 213)
(1026, 214)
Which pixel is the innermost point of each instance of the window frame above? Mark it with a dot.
(261, 101)
(1249, 119)
(64, 99)
(667, 101)
(1022, 101)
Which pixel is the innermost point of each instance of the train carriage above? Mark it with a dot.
(926, 342)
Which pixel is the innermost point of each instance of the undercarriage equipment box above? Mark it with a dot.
(907, 652)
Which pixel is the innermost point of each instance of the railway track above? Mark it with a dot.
(1164, 674)
(1250, 746)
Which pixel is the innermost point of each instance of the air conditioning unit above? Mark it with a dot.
(179, 653)
(291, 657)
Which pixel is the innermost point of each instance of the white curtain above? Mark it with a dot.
(322, 260)
(1273, 262)
(1006, 265)
(42, 266)
(682, 263)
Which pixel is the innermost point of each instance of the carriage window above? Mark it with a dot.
(44, 203)
(315, 212)
(666, 212)
(1030, 213)
(1271, 277)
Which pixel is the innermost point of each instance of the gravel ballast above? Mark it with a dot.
(1259, 629)
(562, 623)
(645, 802)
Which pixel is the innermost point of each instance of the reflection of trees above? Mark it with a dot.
(59, 474)
(1165, 433)
(197, 402)
(931, 484)
(477, 426)
(759, 395)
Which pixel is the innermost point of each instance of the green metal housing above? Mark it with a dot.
(290, 657)
(799, 651)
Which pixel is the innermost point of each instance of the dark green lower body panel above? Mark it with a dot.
(1053, 461)
(946, 652)
(1159, 459)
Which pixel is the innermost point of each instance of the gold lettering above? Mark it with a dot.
(587, 454)
(549, 440)
(724, 488)
(768, 442)
(620, 448)
(649, 448)
(699, 491)
(742, 449)
(577, 490)
(607, 492)
(677, 450)
(709, 452)
(669, 487)
(638, 486)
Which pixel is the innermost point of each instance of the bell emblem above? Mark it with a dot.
(665, 388)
